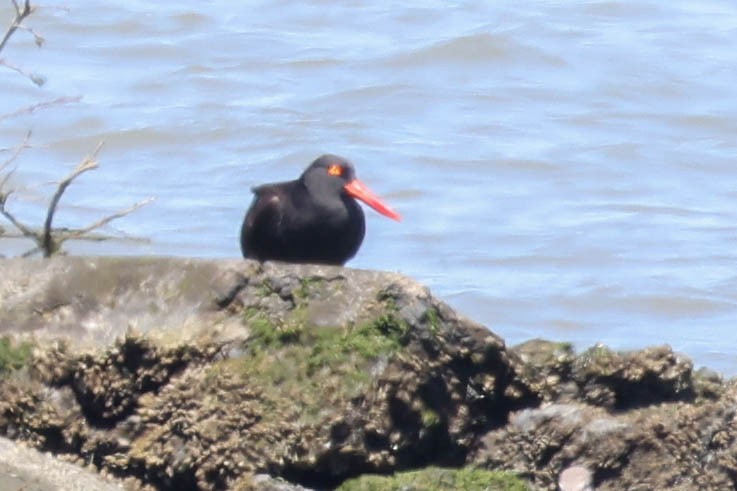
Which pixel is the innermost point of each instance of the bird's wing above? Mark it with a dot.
(263, 220)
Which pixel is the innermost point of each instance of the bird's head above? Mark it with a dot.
(331, 174)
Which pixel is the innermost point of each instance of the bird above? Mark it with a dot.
(313, 219)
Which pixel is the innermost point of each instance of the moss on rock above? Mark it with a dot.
(14, 355)
(438, 479)
(312, 365)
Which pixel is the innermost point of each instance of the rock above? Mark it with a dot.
(197, 374)
(212, 375)
(602, 377)
(30, 470)
(576, 478)
(264, 482)
(631, 380)
(620, 416)
(623, 450)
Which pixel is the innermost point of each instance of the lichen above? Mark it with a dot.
(438, 479)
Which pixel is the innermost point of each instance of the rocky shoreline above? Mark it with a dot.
(162, 373)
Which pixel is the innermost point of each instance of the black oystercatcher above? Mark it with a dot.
(314, 219)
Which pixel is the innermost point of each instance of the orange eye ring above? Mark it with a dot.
(335, 170)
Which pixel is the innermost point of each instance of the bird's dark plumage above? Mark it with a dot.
(313, 219)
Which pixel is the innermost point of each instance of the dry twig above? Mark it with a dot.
(21, 12)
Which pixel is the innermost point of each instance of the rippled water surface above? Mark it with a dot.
(565, 169)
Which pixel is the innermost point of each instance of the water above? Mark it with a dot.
(565, 169)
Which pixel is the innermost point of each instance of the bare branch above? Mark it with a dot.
(20, 14)
(4, 181)
(40, 105)
(37, 79)
(74, 234)
(16, 152)
(31, 252)
(87, 164)
(49, 240)
(37, 38)
(26, 231)
(4, 195)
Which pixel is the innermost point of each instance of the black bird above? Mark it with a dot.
(314, 219)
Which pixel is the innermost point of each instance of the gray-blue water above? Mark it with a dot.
(565, 169)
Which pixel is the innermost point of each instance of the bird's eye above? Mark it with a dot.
(335, 170)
